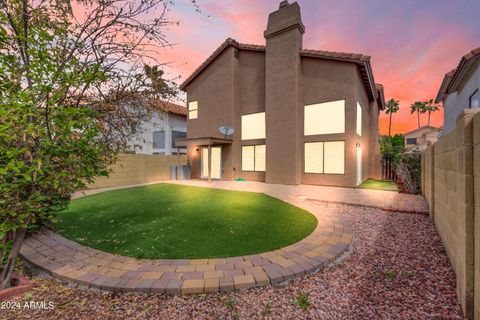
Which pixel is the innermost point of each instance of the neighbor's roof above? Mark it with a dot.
(169, 107)
(422, 128)
(380, 96)
(361, 60)
(454, 78)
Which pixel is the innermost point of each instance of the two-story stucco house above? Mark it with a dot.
(300, 116)
(460, 89)
(157, 135)
(422, 137)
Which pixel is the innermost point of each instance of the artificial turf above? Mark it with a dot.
(172, 221)
(386, 185)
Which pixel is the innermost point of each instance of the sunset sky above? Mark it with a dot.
(412, 43)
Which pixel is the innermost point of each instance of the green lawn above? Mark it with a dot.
(386, 185)
(172, 221)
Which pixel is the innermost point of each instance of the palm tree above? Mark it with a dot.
(418, 107)
(391, 108)
(430, 107)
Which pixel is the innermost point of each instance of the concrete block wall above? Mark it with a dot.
(452, 188)
(476, 196)
(133, 169)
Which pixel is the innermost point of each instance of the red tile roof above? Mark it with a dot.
(438, 129)
(336, 55)
(380, 96)
(363, 62)
(453, 78)
(169, 107)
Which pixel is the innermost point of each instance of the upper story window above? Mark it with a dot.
(193, 110)
(253, 126)
(359, 119)
(474, 100)
(411, 140)
(159, 139)
(325, 118)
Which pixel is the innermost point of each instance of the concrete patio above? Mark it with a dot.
(386, 200)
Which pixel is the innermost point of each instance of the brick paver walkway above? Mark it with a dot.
(68, 260)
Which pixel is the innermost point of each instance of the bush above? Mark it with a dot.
(408, 167)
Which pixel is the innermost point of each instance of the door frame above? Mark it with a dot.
(358, 165)
(201, 163)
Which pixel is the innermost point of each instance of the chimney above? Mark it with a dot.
(286, 18)
(282, 94)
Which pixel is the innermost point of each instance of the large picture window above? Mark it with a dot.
(325, 118)
(253, 158)
(193, 110)
(325, 157)
(359, 119)
(253, 126)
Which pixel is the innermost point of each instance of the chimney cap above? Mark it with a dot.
(286, 18)
(283, 4)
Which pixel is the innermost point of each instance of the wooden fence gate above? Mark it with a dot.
(388, 171)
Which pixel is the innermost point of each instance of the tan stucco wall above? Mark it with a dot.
(452, 190)
(338, 82)
(133, 169)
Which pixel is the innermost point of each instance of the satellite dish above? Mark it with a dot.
(226, 131)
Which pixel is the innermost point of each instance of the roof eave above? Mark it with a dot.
(442, 90)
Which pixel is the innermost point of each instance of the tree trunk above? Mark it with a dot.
(418, 117)
(390, 126)
(7, 267)
(429, 117)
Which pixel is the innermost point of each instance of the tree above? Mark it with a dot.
(69, 87)
(392, 146)
(430, 107)
(418, 107)
(392, 107)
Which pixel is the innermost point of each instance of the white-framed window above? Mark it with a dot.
(253, 158)
(253, 126)
(334, 157)
(159, 139)
(474, 100)
(324, 118)
(193, 110)
(314, 157)
(359, 119)
(325, 157)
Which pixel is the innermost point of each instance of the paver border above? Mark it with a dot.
(67, 260)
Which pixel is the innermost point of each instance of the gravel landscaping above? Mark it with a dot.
(398, 270)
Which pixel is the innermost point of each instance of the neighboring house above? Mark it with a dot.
(422, 138)
(158, 135)
(300, 116)
(460, 89)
